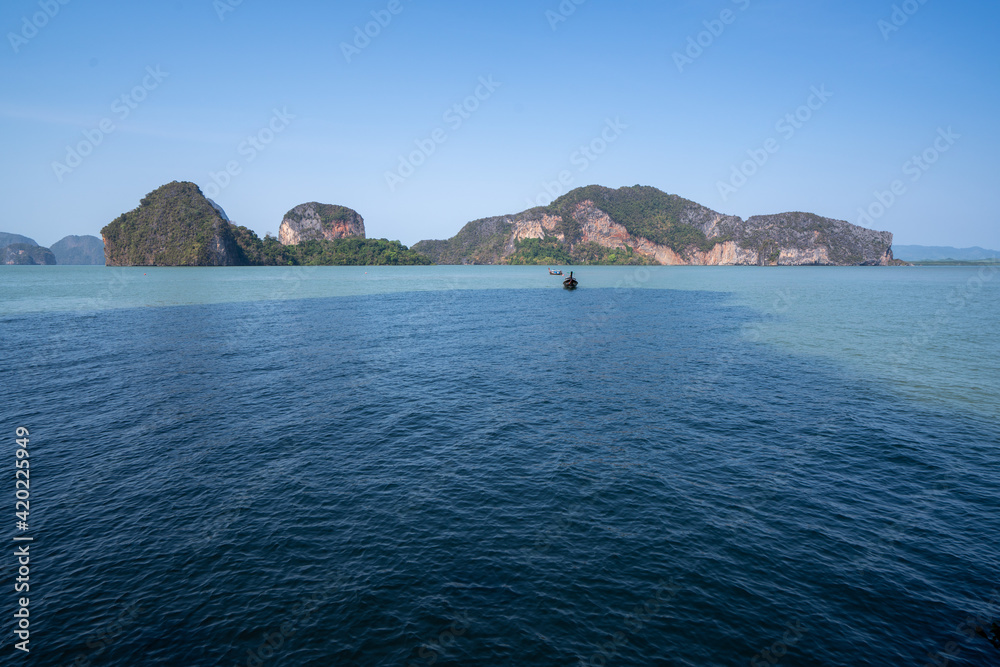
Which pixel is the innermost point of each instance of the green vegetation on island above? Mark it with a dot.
(644, 211)
(354, 252)
(595, 253)
(549, 251)
(479, 242)
(176, 225)
(540, 252)
(338, 252)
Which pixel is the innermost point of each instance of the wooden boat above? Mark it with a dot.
(571, 282)
(555, 273)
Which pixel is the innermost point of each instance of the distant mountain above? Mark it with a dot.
(79, 250)
(219, 209)
(8, 239)
(644, 225)
(26, 254)
(932, 253)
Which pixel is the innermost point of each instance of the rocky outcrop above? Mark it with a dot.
(80, 250)
(596, 226)
(663, 229)
(314, 221)
(788, 239)
(174, 225)
(25, 254)
(805, 238)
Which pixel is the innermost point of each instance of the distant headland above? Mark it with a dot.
(22, 250)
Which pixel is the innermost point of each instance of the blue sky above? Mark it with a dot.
(329, 126)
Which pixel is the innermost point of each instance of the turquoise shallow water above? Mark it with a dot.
(929, 331)
(471, 466)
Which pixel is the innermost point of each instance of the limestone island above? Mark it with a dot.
(644, 225)
(176, 225)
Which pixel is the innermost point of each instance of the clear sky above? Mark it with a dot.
(104, 101)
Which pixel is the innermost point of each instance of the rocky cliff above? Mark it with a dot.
(174, 225)
(26, 254)
(79, 250)
(318, 222)
(642, 224)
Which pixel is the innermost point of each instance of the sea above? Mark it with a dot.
(469, 465)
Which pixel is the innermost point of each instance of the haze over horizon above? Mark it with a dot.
(444, 114)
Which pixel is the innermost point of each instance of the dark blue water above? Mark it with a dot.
(524, 477)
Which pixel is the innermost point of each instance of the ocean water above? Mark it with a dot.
(472, 466)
